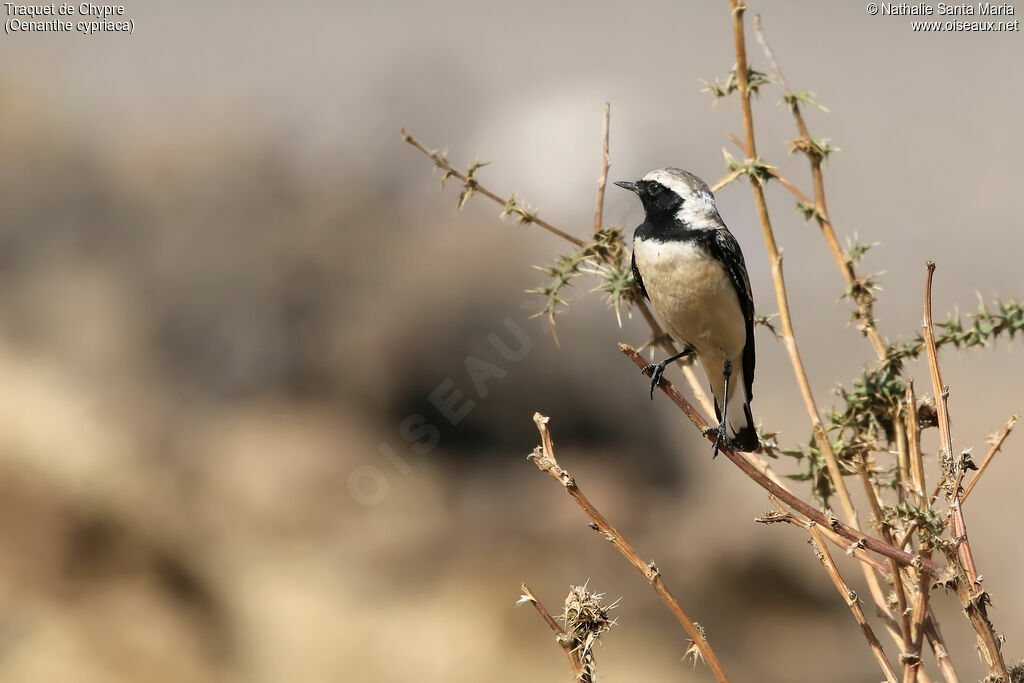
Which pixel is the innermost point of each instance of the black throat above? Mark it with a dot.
(666, 229)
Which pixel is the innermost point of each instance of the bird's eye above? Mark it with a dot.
(653, 189)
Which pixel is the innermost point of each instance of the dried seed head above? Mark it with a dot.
(586, 620)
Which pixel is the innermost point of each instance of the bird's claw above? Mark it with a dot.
(656, 370)
(721, 440)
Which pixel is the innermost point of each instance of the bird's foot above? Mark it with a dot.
(720, 438)
(656, 370)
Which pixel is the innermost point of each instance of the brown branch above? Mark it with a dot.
(775, 257)
(904, 640)
(946, 441)
(750, 149)
(442, 163)
(997, 443)
(856, 551)
(561, 637)
(544, 457)
(973, 597)
(726, 180)
(794, 190)
(939, 648)
(914, 444)
(917, 628)
(603, 180)
(911, 620)
(764, 481)
(852, 601)
(868, 563)
(863, 301)
(795, 519)
(921, 615)
(941, 392)
(902, 457)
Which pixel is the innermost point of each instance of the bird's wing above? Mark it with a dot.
(727, 250)
(636, 276)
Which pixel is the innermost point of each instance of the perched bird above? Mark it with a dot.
(691, 269)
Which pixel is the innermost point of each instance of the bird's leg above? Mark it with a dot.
(721, 437)
(658, 369)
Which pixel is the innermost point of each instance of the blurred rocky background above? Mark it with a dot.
(228, 291)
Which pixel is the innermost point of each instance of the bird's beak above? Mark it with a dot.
(627, 185)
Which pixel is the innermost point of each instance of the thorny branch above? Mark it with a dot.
(852, 601)
(973, 598)
(861, 295)
(764, 481)
(911, 573)
(561, 637)
(996, 444)
(861, 292)
(544, 458)
(472, 185)
(775, 257)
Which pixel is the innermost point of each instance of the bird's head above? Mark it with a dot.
(674, 193)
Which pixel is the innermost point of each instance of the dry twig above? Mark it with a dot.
(602, 182)
(544, 458)
(775, 257)
(561, 637)
(442, 163)
(996, 444)
(973, 598)
(914, 444)
(862, 299)
(852, 601)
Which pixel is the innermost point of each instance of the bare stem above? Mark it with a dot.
(852, 601)
(874, 500)
(862, 299)
(939, 648)
(867, 563)
(561, 637)
(442, 163)
(750, 149)
(799, 520)
(794, 190)
(544, 458)
(775, 257)
(902, 458)
(917, 625)
(726, 180)
(602, 182)
(914, 444)
(997, 443)
(973, 597)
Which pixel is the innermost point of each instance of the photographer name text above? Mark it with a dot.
(943, 9)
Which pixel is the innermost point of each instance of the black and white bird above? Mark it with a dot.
(690, 267)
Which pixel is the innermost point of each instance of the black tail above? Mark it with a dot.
(745, 438)
(742, 434)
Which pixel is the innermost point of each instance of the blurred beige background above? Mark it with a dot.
(228, 289)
